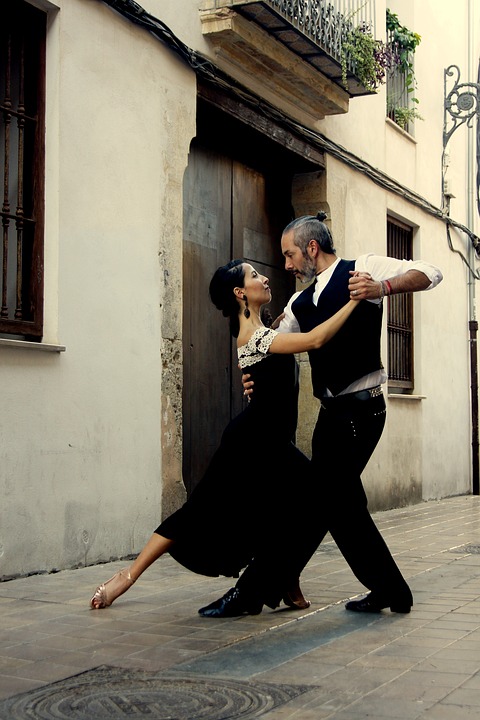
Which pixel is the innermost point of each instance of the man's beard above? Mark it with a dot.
(309, 270)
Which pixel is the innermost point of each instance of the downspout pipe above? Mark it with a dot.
(473, 329)
(472, 322)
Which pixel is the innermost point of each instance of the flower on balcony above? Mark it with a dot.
(366, 58)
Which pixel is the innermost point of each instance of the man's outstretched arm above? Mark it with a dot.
(363, 287)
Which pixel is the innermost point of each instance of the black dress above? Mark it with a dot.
(256, 491)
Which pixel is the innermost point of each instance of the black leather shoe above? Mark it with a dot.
(370, 605)
(231, 605)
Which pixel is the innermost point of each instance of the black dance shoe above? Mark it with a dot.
(368, 604)
(231, 605)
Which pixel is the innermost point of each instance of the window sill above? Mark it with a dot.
(398, 129)
(400, 396)
(25, 344)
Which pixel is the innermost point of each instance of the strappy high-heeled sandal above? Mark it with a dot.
(295, 600)
(101, 597)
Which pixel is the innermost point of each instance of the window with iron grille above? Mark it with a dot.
(400, 314)
(22, 130)
(402, 105)
(399, 99)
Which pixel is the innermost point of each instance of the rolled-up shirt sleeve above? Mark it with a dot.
(382, 268)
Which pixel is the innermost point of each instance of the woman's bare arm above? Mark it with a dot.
(288, 343)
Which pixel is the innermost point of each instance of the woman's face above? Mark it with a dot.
(256, 286)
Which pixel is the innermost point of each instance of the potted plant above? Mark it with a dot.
(403, 116)
(370, 58)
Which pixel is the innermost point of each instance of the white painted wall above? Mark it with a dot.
(81, 450)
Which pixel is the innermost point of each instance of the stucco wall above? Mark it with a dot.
(82, 436)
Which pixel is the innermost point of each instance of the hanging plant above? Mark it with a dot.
(370, 58)
(373, 59)
(403, 42)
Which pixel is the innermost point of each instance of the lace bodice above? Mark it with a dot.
(257, 347)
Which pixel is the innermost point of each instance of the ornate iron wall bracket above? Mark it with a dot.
(461, 106)
(462, 103)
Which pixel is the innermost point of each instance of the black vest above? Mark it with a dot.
(355, 350)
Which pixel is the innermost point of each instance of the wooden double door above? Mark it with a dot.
(232, 209)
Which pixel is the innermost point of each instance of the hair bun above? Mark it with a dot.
(321, 216)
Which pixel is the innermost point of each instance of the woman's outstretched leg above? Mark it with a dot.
(109, 591)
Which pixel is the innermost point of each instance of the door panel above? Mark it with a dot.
(258, 218)
(261, 209)
(230, 211)
(206, 341)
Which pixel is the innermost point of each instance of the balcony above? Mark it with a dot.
(291, 48)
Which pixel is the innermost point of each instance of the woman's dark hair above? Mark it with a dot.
(311, 227)
(224, 280)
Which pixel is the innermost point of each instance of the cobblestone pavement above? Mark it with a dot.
(324, 662)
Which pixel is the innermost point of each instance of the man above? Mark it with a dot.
(347, 374)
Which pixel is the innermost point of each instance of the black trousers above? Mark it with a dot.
(347, 431)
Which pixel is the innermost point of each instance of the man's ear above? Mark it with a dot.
(313, 246)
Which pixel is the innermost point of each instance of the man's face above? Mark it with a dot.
(300, 264)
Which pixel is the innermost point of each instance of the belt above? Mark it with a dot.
(360, 395)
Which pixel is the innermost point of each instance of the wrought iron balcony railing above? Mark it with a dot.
(316, 30)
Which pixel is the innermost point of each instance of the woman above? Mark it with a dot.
(243, 511)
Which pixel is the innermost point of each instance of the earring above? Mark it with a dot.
(246, 312)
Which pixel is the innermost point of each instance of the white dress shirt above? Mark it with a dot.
(380, 268)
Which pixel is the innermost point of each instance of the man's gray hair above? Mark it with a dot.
(311, 227)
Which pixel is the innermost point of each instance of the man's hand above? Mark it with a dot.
(362, 287)
(277, 321)
(247, 385)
